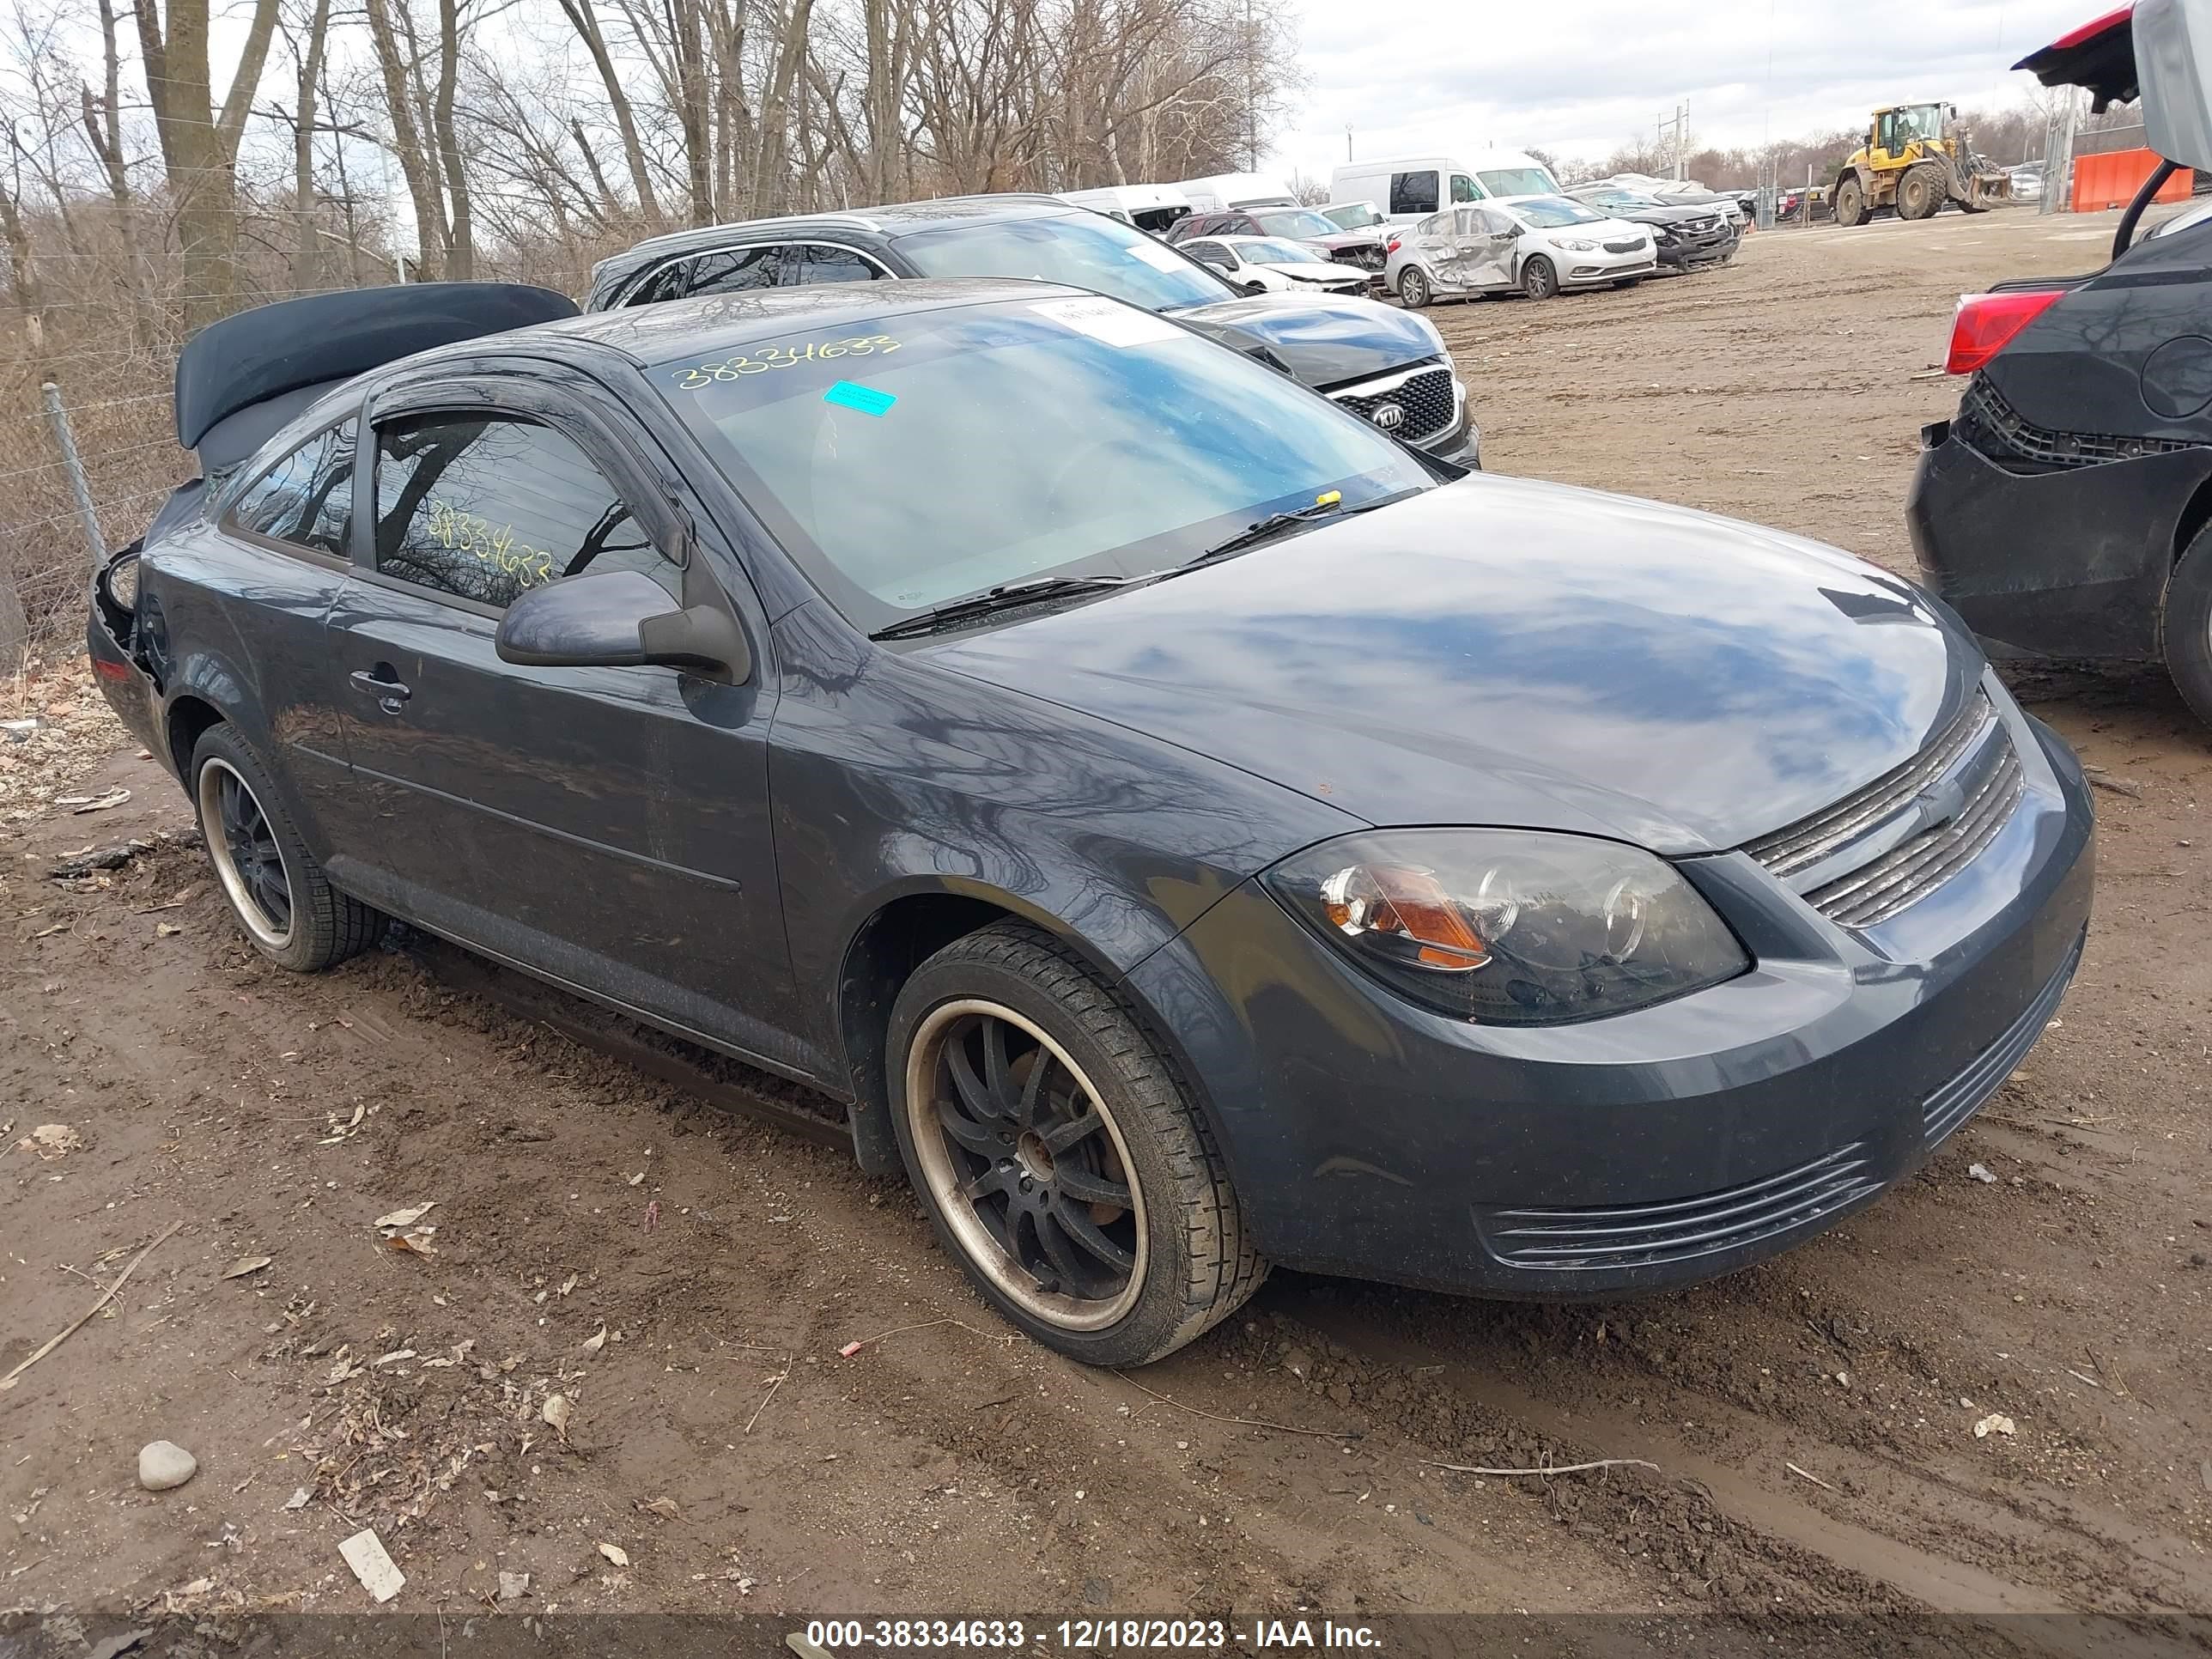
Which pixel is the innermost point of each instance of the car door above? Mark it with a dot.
(1488, 241)
(606, 826)
(1435, 244)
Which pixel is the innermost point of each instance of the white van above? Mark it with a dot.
(1410, 187)
(1225, 191)
(1147, 207)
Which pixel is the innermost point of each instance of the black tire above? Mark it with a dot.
(1921, 193)
(1009, 1017)
(286, 907)
(2189, 625)
(1848, 202)
(1414, 291)
(1539, 278)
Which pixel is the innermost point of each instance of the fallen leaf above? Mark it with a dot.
(596, 1342)
(395, 1355)
(663, 1507)
(568, 1284)
(406, 1218)
(165, 930)
(615, 1554)
(555, 1411)
(298, 1500)
(54, 1140)
(247, 1264)
(415, 1242)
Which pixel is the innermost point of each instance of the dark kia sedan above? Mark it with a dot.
(1182, 828)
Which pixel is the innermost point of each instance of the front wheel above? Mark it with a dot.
(1414, 291)
(2189, 626)
(276, 888)
(1058, 1155)
(1539, 279)
(1849, 203)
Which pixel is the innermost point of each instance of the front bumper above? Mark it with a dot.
(1688, 253)
(1369, 1138)
(1591, 270)
(2060, 564)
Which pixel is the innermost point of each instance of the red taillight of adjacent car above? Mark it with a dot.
(1393, 244)
(1986, 323)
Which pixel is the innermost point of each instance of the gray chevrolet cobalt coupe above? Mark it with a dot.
(1180, 826)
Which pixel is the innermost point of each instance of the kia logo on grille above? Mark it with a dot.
(1388, 416)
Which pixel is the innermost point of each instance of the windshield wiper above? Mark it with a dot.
(1277, 524)
(1008, 597)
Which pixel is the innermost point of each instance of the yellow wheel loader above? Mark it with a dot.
(1916, 158)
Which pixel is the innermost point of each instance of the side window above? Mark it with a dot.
(306, 498)
(1489, 222)
(811, 263)
(487, 508)
(734, 271)
(1437, 225)
(1464, 189)
(1413, 192)
(1888, 138)
(1212, 254)
(672, 281)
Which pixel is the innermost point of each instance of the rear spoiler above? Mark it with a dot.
(240, 378)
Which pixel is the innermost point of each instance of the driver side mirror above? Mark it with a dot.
(620, 619)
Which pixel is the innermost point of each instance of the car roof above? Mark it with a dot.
(894, 220)
(715, 322)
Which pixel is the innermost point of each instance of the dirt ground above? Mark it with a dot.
(682, 1281)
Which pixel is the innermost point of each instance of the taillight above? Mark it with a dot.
(1986, 323)
(1394, 245)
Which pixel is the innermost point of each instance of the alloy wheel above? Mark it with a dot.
(1025, 1162)
(243, 848)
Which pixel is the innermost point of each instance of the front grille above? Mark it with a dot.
(1652, 1234)
(1366, 257)
(1871, 896)
(1992, 426)
(1623, 247)
(1806, 842)
(1942, 1112)
(1974, 753)
(1425, 396)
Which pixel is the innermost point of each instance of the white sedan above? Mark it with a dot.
(1537, 244)
(1271, 265)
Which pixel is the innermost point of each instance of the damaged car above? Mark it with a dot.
(2065, 511)
(1177, 827)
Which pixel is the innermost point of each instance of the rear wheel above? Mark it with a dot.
(1058, 1155)
(1539, 279)
(2189, 625)
(278, 892)
(1920, 193)
(1849, 201)
(1413, 290)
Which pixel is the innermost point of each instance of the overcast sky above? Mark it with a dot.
(1582, 76)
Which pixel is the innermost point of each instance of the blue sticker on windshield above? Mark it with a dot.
(865, 398)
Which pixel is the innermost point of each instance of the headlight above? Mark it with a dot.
(1577, 246)
(1510, 926)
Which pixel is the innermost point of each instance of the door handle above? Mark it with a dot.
(389, 693)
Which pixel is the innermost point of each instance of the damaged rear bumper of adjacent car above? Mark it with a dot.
(1645, 1150)
(2063, 557)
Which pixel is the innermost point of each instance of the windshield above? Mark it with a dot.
(1294, 222)
(1266, 251)
(1517, 181)
(1552, 213)
(1355, 215)
(911, 460)
(1086, 250)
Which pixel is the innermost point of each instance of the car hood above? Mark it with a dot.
(1320, 339)
(1503, 652)
(1344, 239)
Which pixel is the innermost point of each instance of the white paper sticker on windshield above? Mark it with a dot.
(1109, 320)
(1154, 255)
